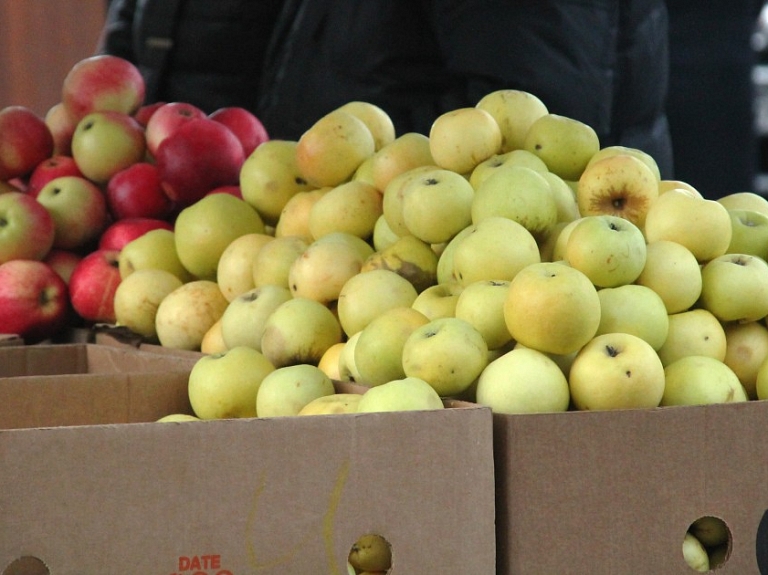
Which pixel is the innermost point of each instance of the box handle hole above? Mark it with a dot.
(707, 544)
(27, 566)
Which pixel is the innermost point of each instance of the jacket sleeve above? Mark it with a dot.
(117, 34)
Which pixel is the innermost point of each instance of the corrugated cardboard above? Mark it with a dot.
(614, 492)
(233, 497)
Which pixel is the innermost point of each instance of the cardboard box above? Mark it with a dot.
(615, 492)
(10, 339)
(114, 492)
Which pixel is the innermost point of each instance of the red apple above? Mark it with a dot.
(126, 230)
(49, 169)
(145, 112)
(33, 300)
(100, 83)
(105, 143)
(78, 208)
(92, 286)
(244, 124)
(26, 228)
(62, 126)
(199, 156)
(166, 120)
(63, 262)
(25, 141)
(233, 190)
(135, 192)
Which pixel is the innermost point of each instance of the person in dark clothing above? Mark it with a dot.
(603, 62)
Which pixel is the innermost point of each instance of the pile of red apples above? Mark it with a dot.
(101, 168)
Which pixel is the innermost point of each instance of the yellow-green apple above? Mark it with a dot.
(322, 269)
(560, 243)
(563, 361)
(177, 418)
(375, 118)
(270, 176)
(63, 262)
(198, 156)
(243, 321)
(565, 144)
(393, 195)
(693, 332)
(701, 380)
(520, 194)
(62, 126)
(225, 385)
(734, 287)
(286, 390)
(761, 382)
(187, 313)
(616, 371)
(749, 233)
(166, 119)
(437, 205)
(49, 169)
(701, 225)
(497, 248)
(330, 151)
(672, 271)
(383, 236)
(272, 263)
(334, 404)
(299, 330)
(745, 201)
(666, 185)
(746, 347)
(618, 185)
(135, 192)
(92, 286)
(351, 207)
(212, 341)
(407, 151)
(552, 307)
(481, 303)
(154, 249)
(609, 250)
(365, 296)
(406, 394)
(26, 228)
(244, 124)
(102, 82)
(378, 351)
(514, 112)
(644, 157)
(565, 198)
(26, 142)
(409, 257)
(138, 296)
(330, 361)
(446, 271)
(439, 300)
(695, 554)
(105, 143)
(462, 138)
(634, 309)
(234, 273)
(448, 353)
(364, 173)
(78, 208)
(34, 301)
(294, 218)
(523, 380)
(117, 234)
(515, 157)
(204, 229)
(347, 366)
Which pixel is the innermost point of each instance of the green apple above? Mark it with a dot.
(634, 309)
(703, 226)
(155, 249)
(407, 394)
(694, 554)
(560, 242)
(383, 236)
(701, 380)
(225, 385)
(378, 121)
(243, 321)
(552, 307)
(438, 300)
(294, 219)
(514, 112)
(287, 390)
(734, 287)
(761, 381)
(481, 303)
(462, 138)
(616, 371)
(347, 366)
(234, 273)
(693, 332)
(745, 201)
(272, 263)
(512, 158)
(609, 250)
(138, 296)
(565, 198)
(565, 144)
(749, 233)
(352, 207)
(367, 295)
(204, 229)
(672, 271)
(187, 313)
(409, 257)
(448, 353)
(746, 347)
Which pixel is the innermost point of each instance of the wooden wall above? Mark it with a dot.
(40, 40)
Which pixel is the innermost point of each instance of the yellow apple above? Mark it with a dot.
(187, 313)
(745, 201)
(644, 157)
(560, 242)
(565, 144)
(734, 287)
(383, 235)
(616, 371)
(446, 271)
(407, 394)
(272, 263)
(749, 233)
(329, 362)
(634, 309)
(178, 417)
(352, 207)
(514, 112)
(523, 380)
(746, 347)
(234, 273)
(334, 404)
(694, 554)
(225, 385)
(347, 366)
(462, 138)
(693, 332)
(155, 249)
(701, 380)
(404, 153)
(243, 321)
(287, 390)
(409, 257)
(666, 185)
(294, 219)
(138, 296)
(565, 198)
(514, 157)
(371, 554)
(672, 271)
(481, 303)
(213, 342)
(393, 195)
(761, 382)
(438, 300)
(375, 118)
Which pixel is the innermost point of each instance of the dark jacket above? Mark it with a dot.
(604, 62)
